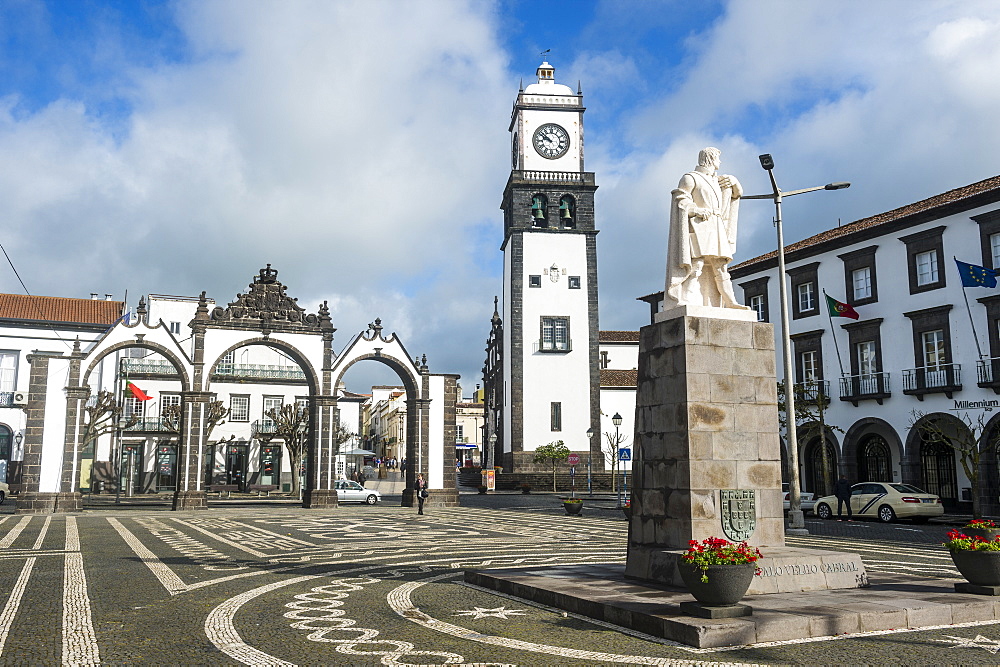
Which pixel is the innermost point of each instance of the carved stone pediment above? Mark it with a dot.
(267, 307)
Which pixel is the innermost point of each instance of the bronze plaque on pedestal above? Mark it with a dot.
(739, 513)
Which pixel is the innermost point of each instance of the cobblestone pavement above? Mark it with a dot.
(273, 584)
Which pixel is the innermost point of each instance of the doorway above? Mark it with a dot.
(166, 467)
(236, 464)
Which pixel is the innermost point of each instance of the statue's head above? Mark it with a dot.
(709, 157)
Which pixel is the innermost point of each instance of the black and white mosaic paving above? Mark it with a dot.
(369, 585)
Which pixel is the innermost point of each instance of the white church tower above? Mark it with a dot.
(551, 379)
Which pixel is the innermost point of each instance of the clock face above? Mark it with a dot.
(551, 141)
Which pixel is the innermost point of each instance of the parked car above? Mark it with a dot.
(806, 501)
(885, 501)
(352, 492)
(4, 490)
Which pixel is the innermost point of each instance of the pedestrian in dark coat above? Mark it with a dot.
(842, 489)
(421, 488)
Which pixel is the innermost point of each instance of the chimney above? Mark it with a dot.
(107, 297)
(93, 296)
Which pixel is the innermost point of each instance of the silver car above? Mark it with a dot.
(4, 490)
(352, 492)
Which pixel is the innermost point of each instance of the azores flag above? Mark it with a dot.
(976, 276)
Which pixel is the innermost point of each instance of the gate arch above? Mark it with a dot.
(421, 457)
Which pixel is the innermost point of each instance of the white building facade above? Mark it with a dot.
(915, 355)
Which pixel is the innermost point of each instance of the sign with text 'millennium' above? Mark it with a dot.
(739, 513)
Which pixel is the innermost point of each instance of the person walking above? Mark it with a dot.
(421, 487)
(842, 489)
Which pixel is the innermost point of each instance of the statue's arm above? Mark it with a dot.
(684, 201)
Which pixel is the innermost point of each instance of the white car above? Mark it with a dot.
(885, 501)
(352, 492)
(806, 501)
(4, 490)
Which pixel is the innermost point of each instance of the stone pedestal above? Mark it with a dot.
(319, 499)
(707, 461)
(190, 500)
(33, 502)
(437, 498)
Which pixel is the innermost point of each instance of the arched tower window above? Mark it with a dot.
(567, 211)
(539, 211)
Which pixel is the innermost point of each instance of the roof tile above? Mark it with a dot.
(59, 309)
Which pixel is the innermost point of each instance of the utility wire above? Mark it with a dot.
(33, 303)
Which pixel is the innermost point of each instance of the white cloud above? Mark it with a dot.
(897, 98)
(357, 146)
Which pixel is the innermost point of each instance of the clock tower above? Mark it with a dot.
(551, 387)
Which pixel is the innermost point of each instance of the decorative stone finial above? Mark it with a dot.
(267, 275)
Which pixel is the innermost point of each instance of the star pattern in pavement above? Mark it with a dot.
(985, 643)
(499, 612)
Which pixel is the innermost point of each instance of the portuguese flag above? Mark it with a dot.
(138, 393)
(838, 309)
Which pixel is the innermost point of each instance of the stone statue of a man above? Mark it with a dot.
(703, 212)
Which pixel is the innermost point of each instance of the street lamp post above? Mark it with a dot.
(489, 458)
(590, 479)
(796, 522)
(617, 421)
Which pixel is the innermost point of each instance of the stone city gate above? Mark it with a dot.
(61, 386)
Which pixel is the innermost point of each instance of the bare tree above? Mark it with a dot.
(611, 447)
(969, 439)
(291, 425)
(105, 415)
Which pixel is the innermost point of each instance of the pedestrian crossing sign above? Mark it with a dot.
(625, 454)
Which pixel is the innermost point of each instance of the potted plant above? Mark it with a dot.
(627, 508)
(984, 528)
(525, 488)
(481, 489)
(718, 572)
(977, 559)
(573, 505)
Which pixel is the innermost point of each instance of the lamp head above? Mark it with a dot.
(836, 186)
(766, 161)
(617, 419)
(590, 433)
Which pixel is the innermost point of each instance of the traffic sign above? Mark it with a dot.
(625, 454)
(574, 459)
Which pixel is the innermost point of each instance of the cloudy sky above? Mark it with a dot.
(361, 147)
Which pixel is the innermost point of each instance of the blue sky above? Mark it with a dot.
(361, 147)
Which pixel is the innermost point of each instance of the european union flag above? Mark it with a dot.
(976, 276)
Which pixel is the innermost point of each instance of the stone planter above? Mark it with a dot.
(726, 585)
(481, 489)
(573, 507)
(981, 568)
(525, 489)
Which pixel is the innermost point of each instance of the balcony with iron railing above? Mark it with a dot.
(813, 392)
(941, 379)
(259, 372)
(148, 425)
(988, 374)
(148, 367)
(865, 387)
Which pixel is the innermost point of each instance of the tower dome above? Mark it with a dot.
(547, 82)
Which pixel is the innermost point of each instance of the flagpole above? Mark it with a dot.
(972, 322)
(833, 333)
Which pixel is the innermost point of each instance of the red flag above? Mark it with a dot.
(138, 393)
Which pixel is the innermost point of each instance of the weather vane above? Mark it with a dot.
(544, 52)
